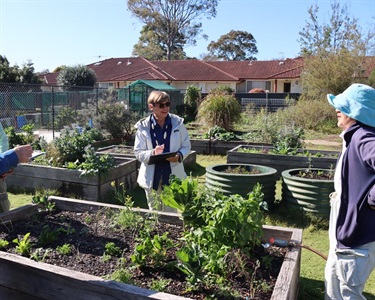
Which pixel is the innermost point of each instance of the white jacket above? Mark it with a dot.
(179, 141)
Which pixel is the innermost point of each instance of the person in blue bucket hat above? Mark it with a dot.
(351, 256)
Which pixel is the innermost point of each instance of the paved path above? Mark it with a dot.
(47, 134)
(322, 142)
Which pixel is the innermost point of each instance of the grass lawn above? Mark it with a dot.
(315, 233)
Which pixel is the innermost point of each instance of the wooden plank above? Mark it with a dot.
(11, 294)
(46, 281)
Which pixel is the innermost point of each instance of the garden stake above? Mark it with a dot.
(284, 243)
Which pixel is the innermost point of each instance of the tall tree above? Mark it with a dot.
(334, 52)
(15, 74)
(170, 20)
(342, 32)
(235, 45)
(152, 47)
(79, 75)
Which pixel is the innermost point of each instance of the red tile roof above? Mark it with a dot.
(268, 69)
(194, 70)
(134, 68)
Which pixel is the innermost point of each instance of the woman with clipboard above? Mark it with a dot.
(161, 144)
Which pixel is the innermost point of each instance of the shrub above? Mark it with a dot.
(219, 109)
(79, 75)
(25, 137)
(116, 119)
(311, 114)
(66, 117)
(69, 147)
(191, 101)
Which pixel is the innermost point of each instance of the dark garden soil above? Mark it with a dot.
(88, 234)
(315, 174)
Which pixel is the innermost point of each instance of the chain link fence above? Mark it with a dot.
(40, 104)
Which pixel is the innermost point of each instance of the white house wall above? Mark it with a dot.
(205, 87)
(295, 87)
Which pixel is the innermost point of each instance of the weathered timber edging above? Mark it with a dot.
(216, 147)
(68, 181)
(128, 152)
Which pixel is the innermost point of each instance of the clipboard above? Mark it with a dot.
(160, 157)
(36, 153)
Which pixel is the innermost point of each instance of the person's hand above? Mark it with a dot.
(24, 153)
(174, 159)
(159, 149)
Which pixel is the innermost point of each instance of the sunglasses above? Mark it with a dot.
(162, 105)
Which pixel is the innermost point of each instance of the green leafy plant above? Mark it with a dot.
(3, 244)
(40, 254)
(220, 134)
(93, 163)
(65, 249)
(23, 245)
(159, 285)
(69, 147)
(47, 236)
(220, 223)
(152, 250)
(66, 231)
(112, 250)
(43, 201)
(288, 141)
(179, 193)
(122, 275)
(191, 262)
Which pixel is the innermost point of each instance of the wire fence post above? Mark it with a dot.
(53, 113)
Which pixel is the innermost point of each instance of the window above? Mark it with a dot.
(265, 85)
(105, 85)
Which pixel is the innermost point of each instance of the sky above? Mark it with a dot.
(51, 33)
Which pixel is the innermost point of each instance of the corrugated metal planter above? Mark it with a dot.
(309, 194)
(230, 183)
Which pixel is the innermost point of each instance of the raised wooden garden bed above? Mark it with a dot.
(206, 146)
(128, 152)
(326, 159)
(22, 278)
(70, 182)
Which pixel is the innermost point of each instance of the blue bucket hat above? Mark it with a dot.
(356, 102)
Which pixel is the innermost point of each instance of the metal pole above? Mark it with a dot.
(53, 113)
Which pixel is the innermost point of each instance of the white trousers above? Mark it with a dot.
(347, 270)
(154, 202)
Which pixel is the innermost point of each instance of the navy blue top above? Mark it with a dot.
(159, 136)
(356, 220)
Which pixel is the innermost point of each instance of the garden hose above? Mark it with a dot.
(294, 244)
(284, 243)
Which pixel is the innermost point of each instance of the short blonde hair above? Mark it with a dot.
(157, 97)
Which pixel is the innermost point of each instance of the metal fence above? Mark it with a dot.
(271, 102)
(40, 104)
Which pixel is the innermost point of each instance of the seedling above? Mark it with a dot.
(23, 245)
